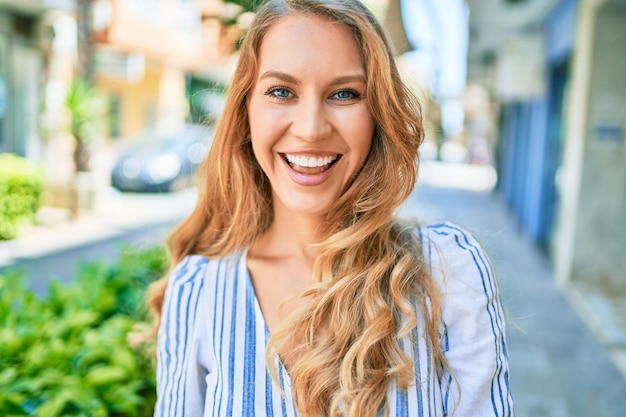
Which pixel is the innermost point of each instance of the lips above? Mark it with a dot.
(310, 164)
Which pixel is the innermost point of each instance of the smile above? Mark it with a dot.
(310, 161)
(310, 164)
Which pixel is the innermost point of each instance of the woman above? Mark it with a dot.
(295, 290)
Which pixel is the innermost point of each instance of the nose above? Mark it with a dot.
(310, 120)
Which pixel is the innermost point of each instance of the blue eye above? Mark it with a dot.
(279, 93)
(345, 95)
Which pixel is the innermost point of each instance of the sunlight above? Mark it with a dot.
(457, 175)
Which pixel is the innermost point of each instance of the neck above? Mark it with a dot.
(290, 235)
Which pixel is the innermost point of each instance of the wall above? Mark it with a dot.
(600, 243)
(531, 73)
(166, 31)
(20, 75)
(142, 56)
(158, 100)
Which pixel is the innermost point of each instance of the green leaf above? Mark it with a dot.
(81, 396)
(68, 351)
(21, 185)
(10, 404)
(125, 359)
(87, 108)
(106, 375)
(7, 376)
(53, 407)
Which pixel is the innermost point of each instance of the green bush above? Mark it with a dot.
(67, 354)
(21, 184)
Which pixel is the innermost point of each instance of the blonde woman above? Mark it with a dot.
(295, 290)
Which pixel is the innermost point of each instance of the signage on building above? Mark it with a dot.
(119, 65)
(608, 132)
(520, 68)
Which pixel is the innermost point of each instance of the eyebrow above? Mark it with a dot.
(291, 79)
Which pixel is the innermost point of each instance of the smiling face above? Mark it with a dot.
(310, 123)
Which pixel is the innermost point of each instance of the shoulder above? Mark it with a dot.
(189, 270)
(448, 237)
(196, 269)
(457, 262)
(190, 284)
(448, 247)
(185, 282)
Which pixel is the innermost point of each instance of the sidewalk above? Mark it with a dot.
(114, 214)
(558, 368)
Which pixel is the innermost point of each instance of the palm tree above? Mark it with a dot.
(87, 110)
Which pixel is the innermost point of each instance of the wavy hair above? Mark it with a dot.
(371, 287)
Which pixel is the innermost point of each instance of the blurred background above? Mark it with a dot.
(107, 108)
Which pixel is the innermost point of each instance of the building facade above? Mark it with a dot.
(24, 41)
(562, 152)
(140, 54)
(562, 147)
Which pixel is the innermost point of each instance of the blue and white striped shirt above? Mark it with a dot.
(212, 339)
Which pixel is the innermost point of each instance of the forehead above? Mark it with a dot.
(316, 41)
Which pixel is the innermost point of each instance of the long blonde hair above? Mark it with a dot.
(370, 281)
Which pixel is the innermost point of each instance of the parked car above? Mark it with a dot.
(157, 163)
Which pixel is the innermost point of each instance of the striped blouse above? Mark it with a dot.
(212, 339)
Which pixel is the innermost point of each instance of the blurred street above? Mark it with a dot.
(525, 147)
(557, 367)
(53, 250)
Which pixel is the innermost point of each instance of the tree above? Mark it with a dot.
(87, 110)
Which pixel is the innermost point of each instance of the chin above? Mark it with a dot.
(307, 206)
(315, 211)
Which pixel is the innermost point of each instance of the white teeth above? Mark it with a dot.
(310, 161)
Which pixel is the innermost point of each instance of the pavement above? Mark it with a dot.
(562, 363)
(114, 214)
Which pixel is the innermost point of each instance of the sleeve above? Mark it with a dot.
(181, 383)
(473, 336)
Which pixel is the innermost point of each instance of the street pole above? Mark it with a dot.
(85, 49)
(395, 27)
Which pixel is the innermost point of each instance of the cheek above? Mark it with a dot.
(254, 120)
(361, 134)
(258, 129)
(260, 150)
(264, 120)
